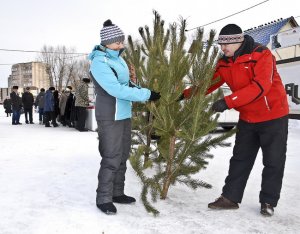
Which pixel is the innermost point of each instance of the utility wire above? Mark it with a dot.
(43, 52)
(32, 51)
(54, 52)
(227, 16)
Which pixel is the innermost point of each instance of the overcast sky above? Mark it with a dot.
(30, 24)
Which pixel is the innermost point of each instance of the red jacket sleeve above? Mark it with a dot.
(258, 87)
(216, 80)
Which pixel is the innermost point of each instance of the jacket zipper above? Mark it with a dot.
(267, 104)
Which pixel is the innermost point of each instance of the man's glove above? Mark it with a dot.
(181, 97)
(154, 96)
(219, 106)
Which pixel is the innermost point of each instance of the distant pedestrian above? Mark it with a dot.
(62, 106)
(56, 104)
(16, 103)
(69, 110)
(81, 103)
(49, 108)
(28, 101)
(39, 102)
(7, 106)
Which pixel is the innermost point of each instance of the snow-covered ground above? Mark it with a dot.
(48, 178)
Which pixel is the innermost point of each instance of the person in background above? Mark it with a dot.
(7, 106)
(39, 102)
(73, 115)
(249, 69)
(115, 93)
(81, 103)
(16, 102)
(69, 107)
(62, 106)
(49, 108)
(56, 105)
(28, 101)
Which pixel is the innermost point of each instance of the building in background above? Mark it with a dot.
(263, 33)
(4, 92)
(9, 81)
(32, 74)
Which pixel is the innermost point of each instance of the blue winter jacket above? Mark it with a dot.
(49, 101)
(111, 77)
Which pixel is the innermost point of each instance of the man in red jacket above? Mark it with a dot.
(249, 69)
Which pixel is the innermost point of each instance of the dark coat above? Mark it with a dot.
(16, 101)
(7, 106)
(69, 105)
(27, 99)
(56, 102)
(40, 101)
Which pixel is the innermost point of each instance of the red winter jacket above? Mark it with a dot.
(257, 90)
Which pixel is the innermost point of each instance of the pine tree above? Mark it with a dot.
(183, 128)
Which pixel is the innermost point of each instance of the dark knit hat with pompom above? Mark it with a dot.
(231, 34)
(111, 33)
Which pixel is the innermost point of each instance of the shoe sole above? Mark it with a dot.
(109, 213)
(265, 214)
(124, 203)
(222, 208)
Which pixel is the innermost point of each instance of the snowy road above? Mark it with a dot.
(48, 178)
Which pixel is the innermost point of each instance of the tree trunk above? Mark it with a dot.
(168, 177)
(149, 131)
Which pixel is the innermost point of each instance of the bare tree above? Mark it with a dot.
(63, 66)
(78, 71)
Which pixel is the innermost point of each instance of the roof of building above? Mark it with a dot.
(262, 33)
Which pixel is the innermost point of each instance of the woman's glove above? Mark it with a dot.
(154, 96)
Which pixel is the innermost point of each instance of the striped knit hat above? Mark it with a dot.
(231, 34)
(111, 33)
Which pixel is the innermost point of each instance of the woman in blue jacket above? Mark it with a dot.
(115, 92)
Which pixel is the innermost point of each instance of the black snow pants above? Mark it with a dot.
(271, 137)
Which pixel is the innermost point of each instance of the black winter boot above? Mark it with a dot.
(107, 208)
(124, 199)
(266, 209)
